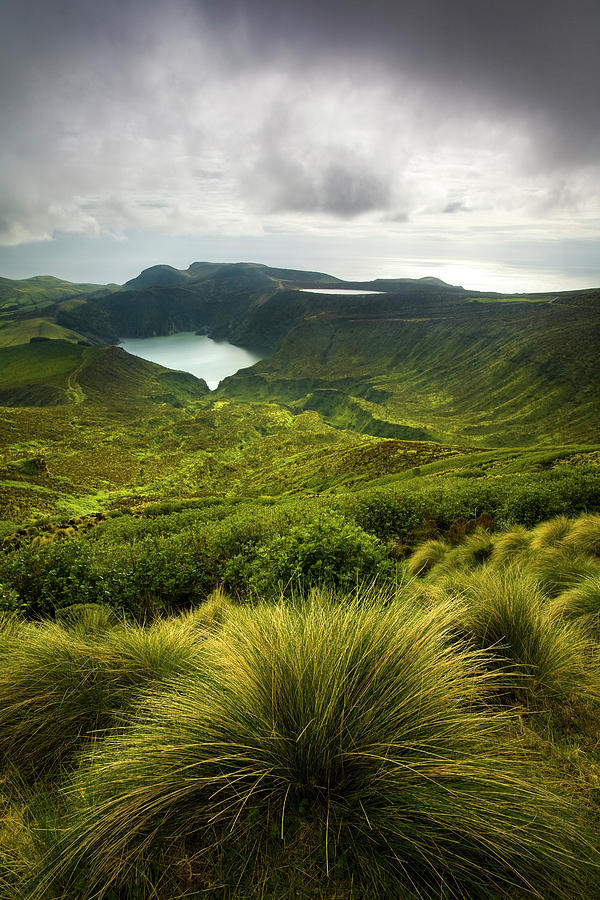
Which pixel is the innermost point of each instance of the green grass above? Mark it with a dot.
(581, 603)
(38, 292)
(330, 750)
(522, 299)
(32, 363)
(551, 661)
(60, 685)
(21, 332)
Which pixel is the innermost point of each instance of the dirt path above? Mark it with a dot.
(73, 388)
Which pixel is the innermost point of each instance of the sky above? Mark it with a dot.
(456, 138)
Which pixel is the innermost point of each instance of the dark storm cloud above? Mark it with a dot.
(343, 185)
(180, 113)
(538, 58)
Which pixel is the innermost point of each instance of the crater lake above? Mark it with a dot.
(195, 353)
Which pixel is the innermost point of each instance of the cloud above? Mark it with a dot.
(204, 117)
(341, 184)
(455, 206)
(537, 60)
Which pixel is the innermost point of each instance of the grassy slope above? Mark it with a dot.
(416, 364)
(505, 374)
(39, 292)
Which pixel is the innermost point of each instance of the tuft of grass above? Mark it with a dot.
(581, 602)
(86, 618)
(508, 546)
(343, 744)
(426, 556)
(560, 568)
(584, 535)
(550, 533)
(210, 614)
(551, 662)
(473, 551)
(28, 821)
(58, 686)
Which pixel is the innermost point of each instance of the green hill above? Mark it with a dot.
(486, 374)
(31, 374)
(345, 379)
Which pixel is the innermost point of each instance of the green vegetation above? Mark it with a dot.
(330, 631)
(521, 299)
(330, 747)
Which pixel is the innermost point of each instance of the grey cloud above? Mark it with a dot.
(174, 106)
(537, 59)
(341, 184)
(455, 206)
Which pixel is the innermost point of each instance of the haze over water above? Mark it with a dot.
(195, 353)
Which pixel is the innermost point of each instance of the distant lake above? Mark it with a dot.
(349, 291)
(195, 353)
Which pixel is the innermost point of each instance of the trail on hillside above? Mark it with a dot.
(74, 390)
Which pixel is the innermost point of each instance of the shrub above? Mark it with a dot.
(9, 599)
(385, 514)
(324, 751)
(327, 550)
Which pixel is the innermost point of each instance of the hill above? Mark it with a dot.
(487, 374)
(419, 360)
(351, 388)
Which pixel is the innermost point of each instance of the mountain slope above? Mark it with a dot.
(419, 360)
(56, 372)
(483, 373)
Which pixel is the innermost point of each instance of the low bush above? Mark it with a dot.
(327, 550)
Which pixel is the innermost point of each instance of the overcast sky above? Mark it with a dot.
(458, 138)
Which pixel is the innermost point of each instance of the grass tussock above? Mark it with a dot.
(561, 568)
(548, 534)
(59, 686)
(584, 535)
(473, 551)
(582, 603)
(86, 618)
(509, 546)
(546, 661)
(426, 556)
(346, 748)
